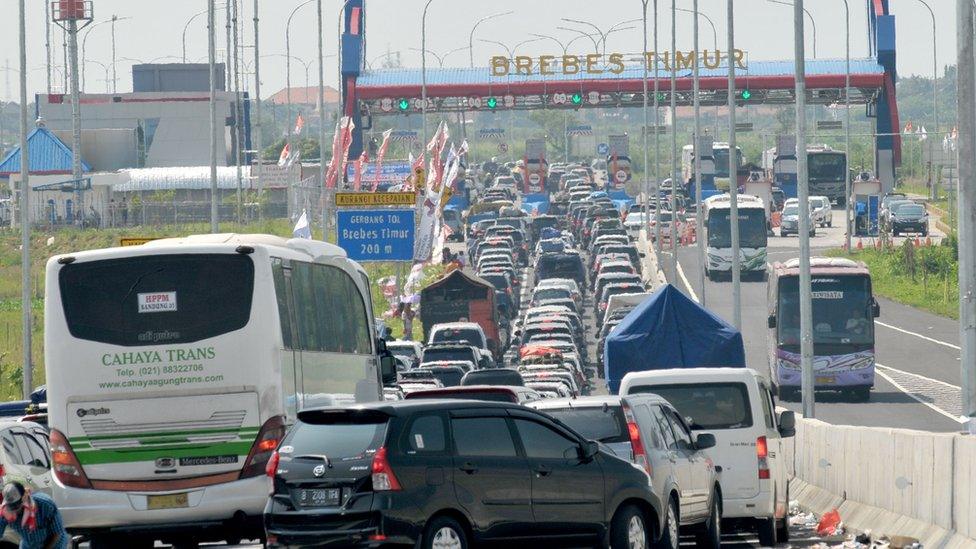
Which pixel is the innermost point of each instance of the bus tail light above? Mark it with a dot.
(65, 463)
(263, 448)
(762, 455)
(636, 444)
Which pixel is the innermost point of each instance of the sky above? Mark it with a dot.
(154, 30)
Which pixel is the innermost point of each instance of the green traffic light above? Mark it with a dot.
(746, 94)
(403, 104)
(492, 102)
(577, 98)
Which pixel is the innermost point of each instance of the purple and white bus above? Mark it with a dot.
(844, 310)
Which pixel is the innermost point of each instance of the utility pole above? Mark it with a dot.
(69, 17)
(699, 229)
(238, 114)
(657, 140)
(320, 105)
(674, 142)
(966, 105)
(115, 76)
(212, 61)
(803, 193)
(733, 181)
(47, 42)
(25, 217)
(848, 222)
(647, 180)
(259, 163)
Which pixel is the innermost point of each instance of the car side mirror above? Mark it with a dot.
(589, 450)
(705, 441)
(771, 321)
(787, 424)
(388, 369)
(875, 308)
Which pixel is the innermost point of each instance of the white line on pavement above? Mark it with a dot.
(912, 395)
(926, 338)
(684, 280)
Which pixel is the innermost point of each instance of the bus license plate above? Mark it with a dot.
(319, 497)
(169, 501)
(826, 380)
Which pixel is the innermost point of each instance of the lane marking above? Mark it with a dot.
(912, 394)
(939, 382)
(684, 280)
(920, 336)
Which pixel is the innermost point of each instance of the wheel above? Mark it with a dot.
(444, 533)
(767, 531)
(710, 534)
(628, 529)
(861, 394)
(830, 223)
(783, 530)
(670, 537)
(789, 394)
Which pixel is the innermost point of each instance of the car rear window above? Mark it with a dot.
(149, 300)
(605, 425)
(470, 335)
(437, 354)
(493, 377)
(337, 435)
(709, 405)
(490, 396)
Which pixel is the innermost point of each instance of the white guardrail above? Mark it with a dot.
(889, 481)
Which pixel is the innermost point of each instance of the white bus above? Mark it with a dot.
(173, 368)
(753, 236)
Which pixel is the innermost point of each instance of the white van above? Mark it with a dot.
(736, 405)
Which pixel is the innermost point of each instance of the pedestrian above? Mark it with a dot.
(35, 517)
(125, 212)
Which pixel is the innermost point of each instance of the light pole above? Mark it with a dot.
(107, 70)
(84, 42)
(47, 42)
(601, 45)
(212, 63)
(813, 22)
(583, 34)
(259, 164)
(803, 191)
(935, 98)
(24, 207)
(320, 105)
(674, 142)
(696, 11)
(657, 143)
(187, 26)
(966, 105)
(423, 74)
(443, 56)
(848, 222)
(475, 27)
(733, 179)
(565, 48)
(647, 181)
(288, 58)
(696, 149)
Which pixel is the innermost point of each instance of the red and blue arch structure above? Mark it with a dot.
(368, 93)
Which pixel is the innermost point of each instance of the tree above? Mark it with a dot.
(553, 123)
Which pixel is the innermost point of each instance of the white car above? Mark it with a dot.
(736, 405)
(822, 215)
(635, 221)
(453, 332)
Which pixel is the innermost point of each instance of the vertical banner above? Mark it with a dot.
(379, 157)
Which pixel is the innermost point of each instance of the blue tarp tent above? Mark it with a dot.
(668, 330)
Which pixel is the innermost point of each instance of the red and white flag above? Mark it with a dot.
(379, 157)
(909, 127)
(340, 149)
(346, 143)
(358, 166)
(285, 155)
(299, 124)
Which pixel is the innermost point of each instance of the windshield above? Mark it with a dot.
(791, 210)
(709, 405)
(841, 311)
(910, 210)
(752, 228)
(437, 354)
(605, 425)
(721, 157)
(827, 166)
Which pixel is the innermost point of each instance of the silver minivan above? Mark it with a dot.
(647, 431)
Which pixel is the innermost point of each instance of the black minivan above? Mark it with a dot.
(451, 473)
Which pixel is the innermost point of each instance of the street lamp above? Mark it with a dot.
(707, 18)
(84, 41)
(190, 20)
(423, 73)
(813, 23)
(848, 222)
(511, 51)
(475, 27)
(603, 35)
(584, 34)
(288, 58)
(302, 62)
(935, 93)
(106, 68)
(441, 57)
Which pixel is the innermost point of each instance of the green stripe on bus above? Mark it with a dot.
(100, 457)
(196, 432)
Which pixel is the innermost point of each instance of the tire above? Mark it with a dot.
(446, 532)
(783, 530)
(670, 537)
(628, 529)
(766, 528)
(710, 534)
(861, 394)
(789, 394)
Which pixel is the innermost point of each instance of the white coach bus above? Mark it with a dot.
(173, 368)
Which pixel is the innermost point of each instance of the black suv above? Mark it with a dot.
(453, 473)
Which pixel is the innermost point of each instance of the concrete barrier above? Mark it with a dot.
(891, 481)
(651, 271)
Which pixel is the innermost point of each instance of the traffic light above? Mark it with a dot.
(745, 95)
(577, 99)
(492, 102)
(403, 104)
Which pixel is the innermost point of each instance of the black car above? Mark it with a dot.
(493, 376)
(432, 473)
(910, 218)
(561, 266)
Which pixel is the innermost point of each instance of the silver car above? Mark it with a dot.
(26, 458)
(822, 214)
(647, 431)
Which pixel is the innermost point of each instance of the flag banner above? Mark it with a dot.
(379, 157)
(426, 231)
(284, 156)
(909, 127)
(299, 125)
(302, 228)
(358, 166)
(346, 143)
(330, 172)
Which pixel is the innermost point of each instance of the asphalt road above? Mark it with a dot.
(917, 385)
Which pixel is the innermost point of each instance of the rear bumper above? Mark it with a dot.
(347, 529)
(217, 507)
(790, 379)
(910, 227)
(761, 506)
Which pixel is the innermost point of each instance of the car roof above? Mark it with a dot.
(406, 407)
(693, 375)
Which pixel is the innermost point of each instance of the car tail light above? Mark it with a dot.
(636, 444)
(66, 466)
(383, 478)
(264, 447)
(762, 455)
(272, 467)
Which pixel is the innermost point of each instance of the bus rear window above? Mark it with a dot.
(154, 300)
